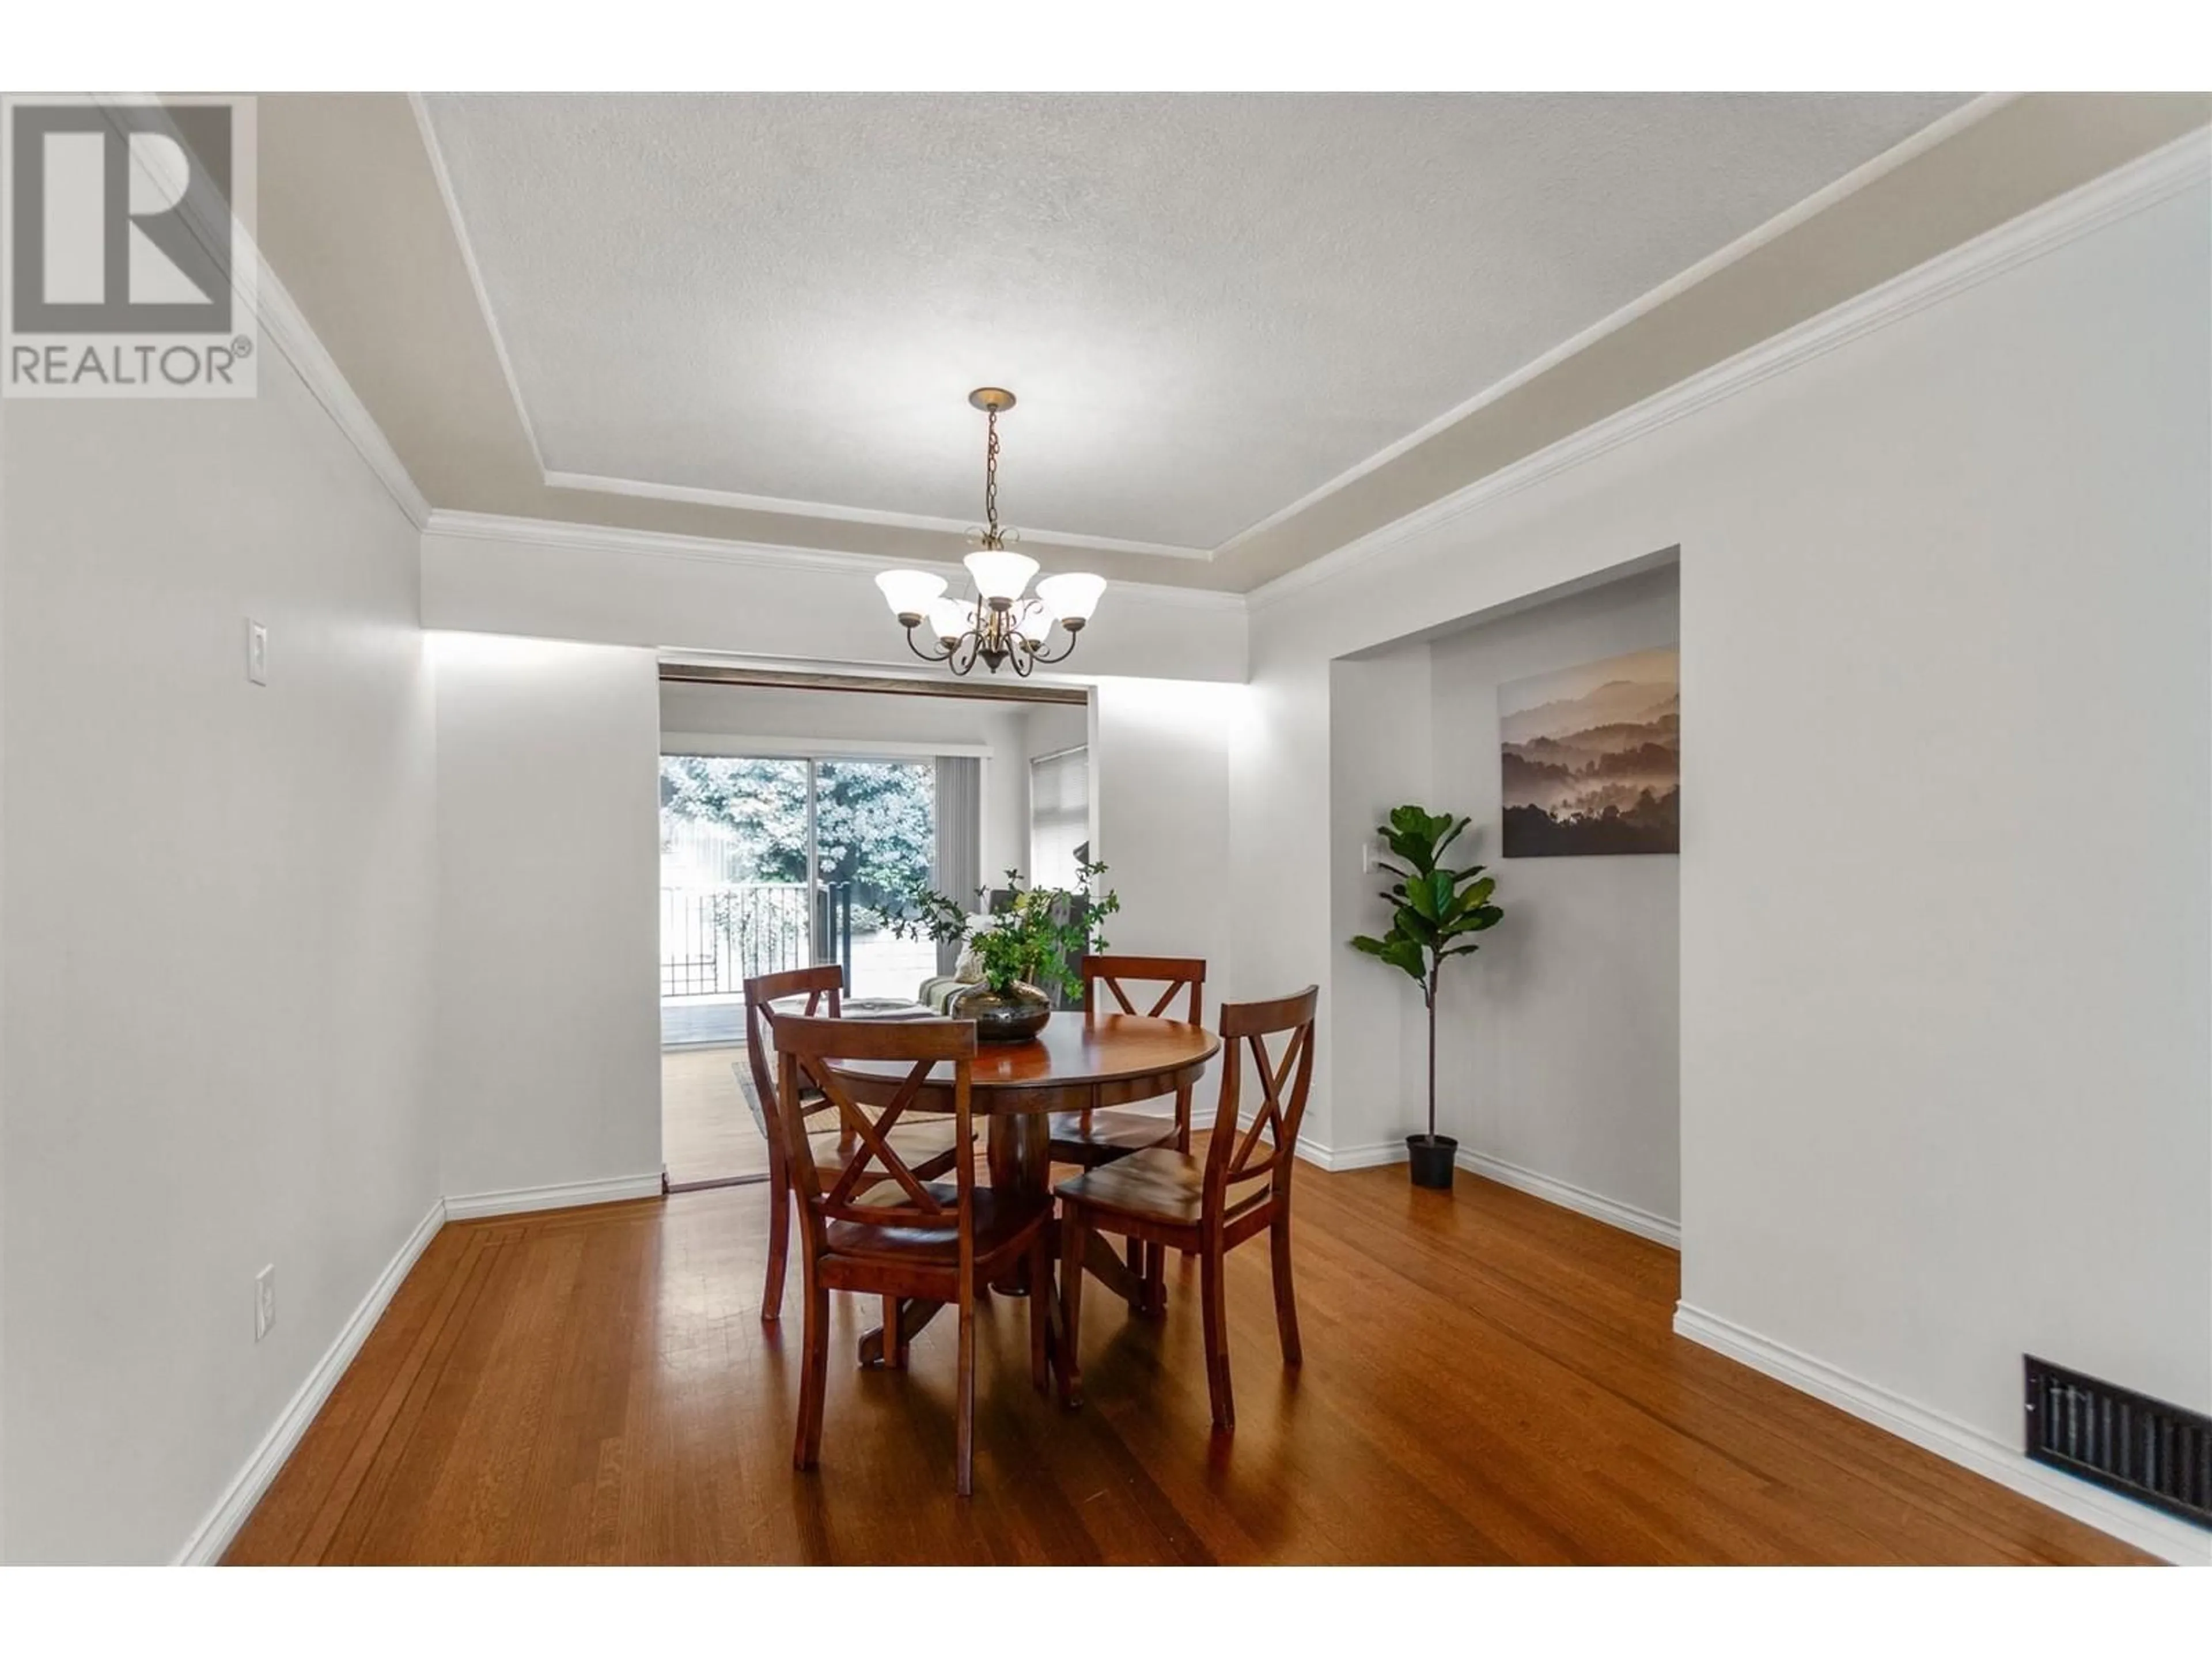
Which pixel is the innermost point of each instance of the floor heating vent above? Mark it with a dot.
(2145, 1447)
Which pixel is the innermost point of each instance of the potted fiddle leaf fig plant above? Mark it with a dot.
(1435, 910)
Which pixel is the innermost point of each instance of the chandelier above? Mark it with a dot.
(997, 626)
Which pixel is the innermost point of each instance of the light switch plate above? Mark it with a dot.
(257, 652)
(264, 1301)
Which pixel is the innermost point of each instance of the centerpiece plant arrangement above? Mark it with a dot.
(1024, 953)
(1434, 909)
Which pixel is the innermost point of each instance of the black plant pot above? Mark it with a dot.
(1430, 1157)
(1015, 1015)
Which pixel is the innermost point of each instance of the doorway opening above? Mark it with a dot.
(769, 863)
(798, 810)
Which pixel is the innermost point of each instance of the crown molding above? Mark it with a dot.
(284, 326)
(694, 495)
(283, 322)
(1967, 114)
(661, 544)
(2125, 190)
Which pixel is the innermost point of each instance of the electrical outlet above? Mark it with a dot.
(264, 1301)
(257, 652)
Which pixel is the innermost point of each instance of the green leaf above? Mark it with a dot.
(1442, 893)
(1433, 907)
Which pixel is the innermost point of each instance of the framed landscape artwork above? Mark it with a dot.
(1591, 758)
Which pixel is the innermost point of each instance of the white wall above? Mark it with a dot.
(217, 961)
(1946, 905)
(1048, 729)
(548, 1027)
(777, 719)
(1558, 1044)
(1160, 798)
(1380, 711)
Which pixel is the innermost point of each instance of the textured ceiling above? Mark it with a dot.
(1211, 306)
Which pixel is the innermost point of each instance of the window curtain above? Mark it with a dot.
(959, 870)
(1060, 816)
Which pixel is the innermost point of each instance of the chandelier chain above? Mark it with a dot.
(990, 537)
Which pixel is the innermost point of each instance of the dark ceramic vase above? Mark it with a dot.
(1014, 1015)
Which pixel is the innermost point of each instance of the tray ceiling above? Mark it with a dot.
(1211, 306)
(1246, 329)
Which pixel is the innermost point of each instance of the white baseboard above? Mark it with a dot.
(1596, 1206)
(213, 1535)
(1355, 1158)
(2166, 1536)
(521, 1200)
(1568, 1196)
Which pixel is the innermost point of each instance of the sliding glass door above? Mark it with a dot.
(769, 864)
(875, 836)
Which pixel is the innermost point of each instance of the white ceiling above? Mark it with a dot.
(1211, 305)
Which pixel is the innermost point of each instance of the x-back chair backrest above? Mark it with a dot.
(1112, 973)
(894, 1194)
(824, 988)
(1238, 1155)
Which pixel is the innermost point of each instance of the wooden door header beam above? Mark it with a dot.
(689, 673)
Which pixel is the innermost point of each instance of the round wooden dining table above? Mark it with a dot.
(1078, 1062)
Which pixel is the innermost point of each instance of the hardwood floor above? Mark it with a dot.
(1487, 1378)
(706, 1130)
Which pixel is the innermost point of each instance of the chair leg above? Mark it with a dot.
(1182, 1145)
(1156, 1280)
(963, 1474)
(1040, 1310)
(779, 1245)
(813, 1378)
(896, 1346)
(1132, 1257)
(1211, 1274)
(1072, 1231)
(1287, 1298)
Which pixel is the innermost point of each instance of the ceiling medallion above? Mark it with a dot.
(997, 626)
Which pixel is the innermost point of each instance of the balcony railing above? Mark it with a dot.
(712, 939)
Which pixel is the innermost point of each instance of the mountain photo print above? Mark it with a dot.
(1592, 758)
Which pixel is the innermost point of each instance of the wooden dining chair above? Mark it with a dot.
(904, 1235)
(929, 1145)
(1091, 1139)
(1208, 1206)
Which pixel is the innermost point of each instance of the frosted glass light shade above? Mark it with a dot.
(1072, 597)
(909, 592)
(949, 618)
(999, 574)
